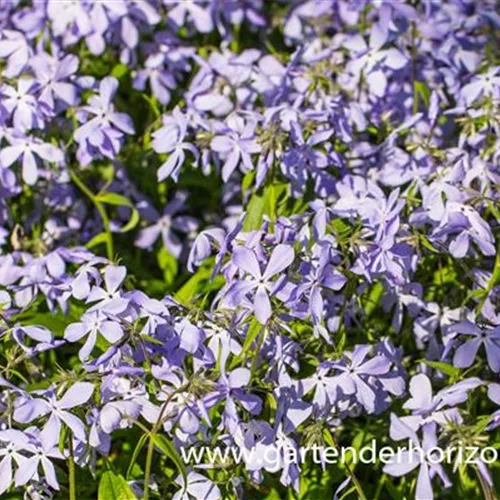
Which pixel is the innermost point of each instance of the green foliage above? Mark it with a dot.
(114, 487)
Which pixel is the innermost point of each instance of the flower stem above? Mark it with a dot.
(492, 283)
(350, 472)
(152, 434)
(71, 467)
(102, 212)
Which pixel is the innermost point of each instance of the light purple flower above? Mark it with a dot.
(245, 258)
(103, 133)
(166, 225)
(24, 148)
(236, 147)
(409, 460)
(52, 75)
(16, 49)
(93, 323)
(170, 139)
(466, 353)
(110, 299)
(197, 487)
(43, 451)
(22, 104)
(28, 409)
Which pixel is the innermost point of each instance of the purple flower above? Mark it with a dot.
(110, 299)
(43, 451)
(258, 281)
(170, 139)
(103, 133)
(197, 487)
(165, 226)
(199, 15)
(466, 225)
(426, 407)
(22, 104)
(494, 395)
(317, 276)
(52, 75)
(28, 409)
(371, 58)
(24, 148)
(357, 377)
(485, 84)
(93, 323)
(236, 146)
(466, 353)
(12, 442)
(420, 456)
(16, 49)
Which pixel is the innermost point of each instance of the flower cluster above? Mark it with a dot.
(250, 225)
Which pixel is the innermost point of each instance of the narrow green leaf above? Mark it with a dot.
(255, 212)
(98, 239)
(247, 181)
(138, 448)
(152, 340)
(121, 201)
(133, 221)
(252, 333)
(443, 367)
(427, 244)
(192, 286)
(424, 91)
(327, 436)
(114, 487)
(168, 264)
(114, 199)
(171, 452)
(374, 296)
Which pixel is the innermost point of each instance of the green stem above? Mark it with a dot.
(488, 493)
(260, 343)
(493, 282)
(350, 473)
(152, 434)
(71, 467)
(102, 212)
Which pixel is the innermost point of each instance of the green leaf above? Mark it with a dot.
(152, 340)
(153, 103)
(327, 436)
(273, 495)
(424, 91)
(119, 71)
(138, 448)
(427, 244)
(341, 229)
(170, 451)
(114, 487)
(374, 296)
(168, 264)
(121, 201)
(133, 221)
(262, 203)
(247, 181)
(194, 285)
(255, 212)
(443, 367)
(114, 199)
(253, 330)
(98, 239)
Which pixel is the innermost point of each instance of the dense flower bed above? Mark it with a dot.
(250, 225)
